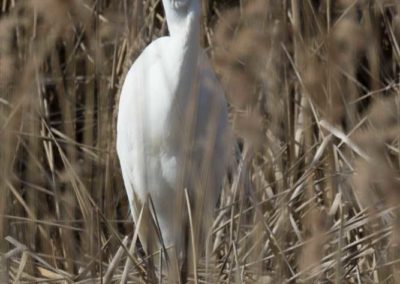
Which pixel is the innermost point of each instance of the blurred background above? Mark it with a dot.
(313, 89)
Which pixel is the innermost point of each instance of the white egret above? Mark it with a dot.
(172, 130)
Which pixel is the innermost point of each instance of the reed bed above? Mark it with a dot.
(313, 89)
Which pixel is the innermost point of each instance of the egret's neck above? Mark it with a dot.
(184, 28)
(184, 21)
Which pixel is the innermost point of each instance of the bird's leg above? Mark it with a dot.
(148, 242)
(173, 267)
(185, 260)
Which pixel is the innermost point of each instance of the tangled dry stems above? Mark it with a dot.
(313, 88)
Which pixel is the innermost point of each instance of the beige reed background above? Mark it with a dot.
(313, 88)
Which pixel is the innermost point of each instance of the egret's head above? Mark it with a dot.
(181, 6)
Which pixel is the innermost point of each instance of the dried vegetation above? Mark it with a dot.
(313, 88)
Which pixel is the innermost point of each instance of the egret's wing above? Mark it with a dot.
(212, 143)
(214, 106)
(146, 169)
(130, 146)
(133, 122)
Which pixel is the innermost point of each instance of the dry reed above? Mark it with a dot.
(313, 88)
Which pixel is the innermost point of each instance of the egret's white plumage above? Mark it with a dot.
(172, 130)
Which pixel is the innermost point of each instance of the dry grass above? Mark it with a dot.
(313, 88)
